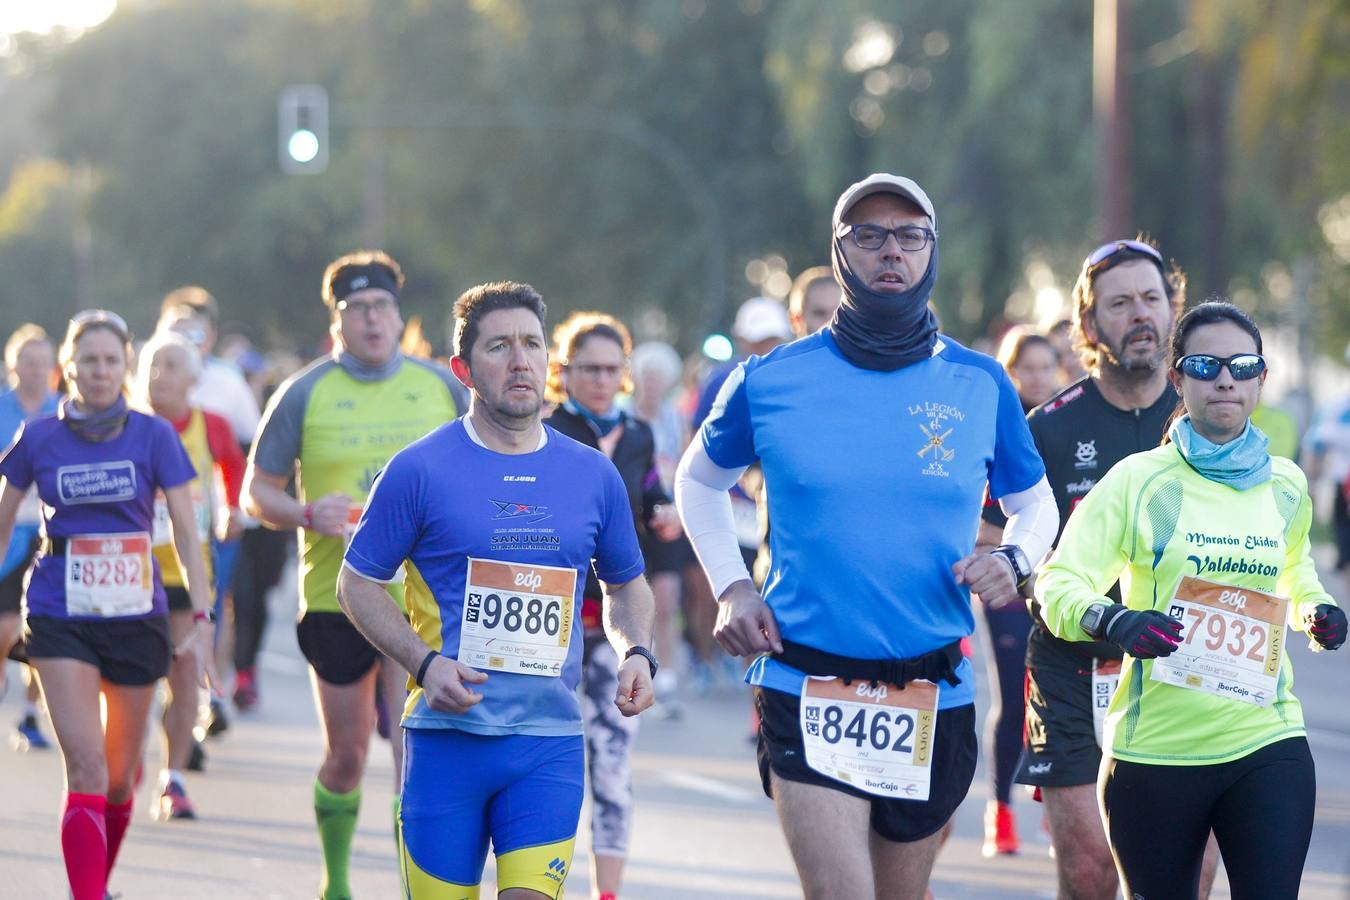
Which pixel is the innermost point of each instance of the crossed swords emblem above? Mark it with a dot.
(935, 441)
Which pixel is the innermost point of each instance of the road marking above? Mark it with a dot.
(710, 786)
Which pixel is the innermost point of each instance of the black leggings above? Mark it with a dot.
(262, 556)
(1009, 629)
(1260, 807)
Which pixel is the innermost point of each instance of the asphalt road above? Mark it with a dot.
(703, 828)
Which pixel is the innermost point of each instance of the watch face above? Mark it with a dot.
(1091, 619)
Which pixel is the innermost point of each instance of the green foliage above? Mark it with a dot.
(635, 156)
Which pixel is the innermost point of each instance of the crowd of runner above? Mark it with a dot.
(506, 556)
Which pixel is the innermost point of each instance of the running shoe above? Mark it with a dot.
(246, 689)
(216, 723)
(197, 758)
(1000, 831)
(28, 736)
(174, 804)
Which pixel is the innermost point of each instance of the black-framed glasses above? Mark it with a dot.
(1111, 248)
(873, 237)
(1203, 367)
(379, 305)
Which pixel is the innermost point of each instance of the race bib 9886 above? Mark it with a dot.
(517, 618)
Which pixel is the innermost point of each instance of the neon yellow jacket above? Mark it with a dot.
(1150, 521)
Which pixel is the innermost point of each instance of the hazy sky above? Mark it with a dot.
(44, 15)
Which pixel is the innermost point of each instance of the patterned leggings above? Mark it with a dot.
(609, 744)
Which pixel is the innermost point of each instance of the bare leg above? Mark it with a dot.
(829, 834)
(72, 691)
(901, 870)
(124, 741)
(700, 611)
(394, 689)
(666, 591)
(32, 688)
(180, 713)
(1209, 867)
(347, 713)
(608, 872)
(10, 627)
(1087, 870)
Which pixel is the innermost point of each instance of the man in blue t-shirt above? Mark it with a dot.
(495, 519)
(877, 438)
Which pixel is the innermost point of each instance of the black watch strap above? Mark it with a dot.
(1018, 559)
(638, 650)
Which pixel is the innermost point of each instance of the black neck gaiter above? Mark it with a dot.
(883, 332)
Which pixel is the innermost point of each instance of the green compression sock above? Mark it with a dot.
(336, 818)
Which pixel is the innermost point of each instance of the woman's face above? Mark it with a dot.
(1036, 374)
(97, 370)
(595, 374)
(1219, 409)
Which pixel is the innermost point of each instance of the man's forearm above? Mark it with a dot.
(270, 504)
(629, 613)
(377, 616)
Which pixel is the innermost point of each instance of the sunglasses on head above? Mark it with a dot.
(89, 317)
(1108, 250)
(1202, 366)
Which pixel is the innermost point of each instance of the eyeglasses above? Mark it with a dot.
(1108, 250)
(379, 305)
(590, 370)
(873, 237)
(100, 317)
(1203, 367)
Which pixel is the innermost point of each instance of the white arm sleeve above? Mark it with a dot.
(701, 487)
(1033, 520)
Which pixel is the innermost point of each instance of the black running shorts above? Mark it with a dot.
(127, 652)
(338, 653)
(1061, 743)
(952, 765)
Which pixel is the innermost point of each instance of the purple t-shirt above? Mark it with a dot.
(93, 489)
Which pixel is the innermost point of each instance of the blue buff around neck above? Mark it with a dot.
(1241, 463)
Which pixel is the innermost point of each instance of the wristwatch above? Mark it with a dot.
(646, 654)
(1014, 554)
(204, 615)
(1094, 620)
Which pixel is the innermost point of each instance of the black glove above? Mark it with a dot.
(1144, 634)
(1326, 625)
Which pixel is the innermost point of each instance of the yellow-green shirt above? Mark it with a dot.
(1150, 521)
(335, 424)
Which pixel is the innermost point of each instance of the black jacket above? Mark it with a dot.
(634, 457)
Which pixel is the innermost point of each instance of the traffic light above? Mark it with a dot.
(302, 129)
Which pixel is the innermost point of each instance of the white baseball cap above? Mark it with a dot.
(761, 318)
(882, 183)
